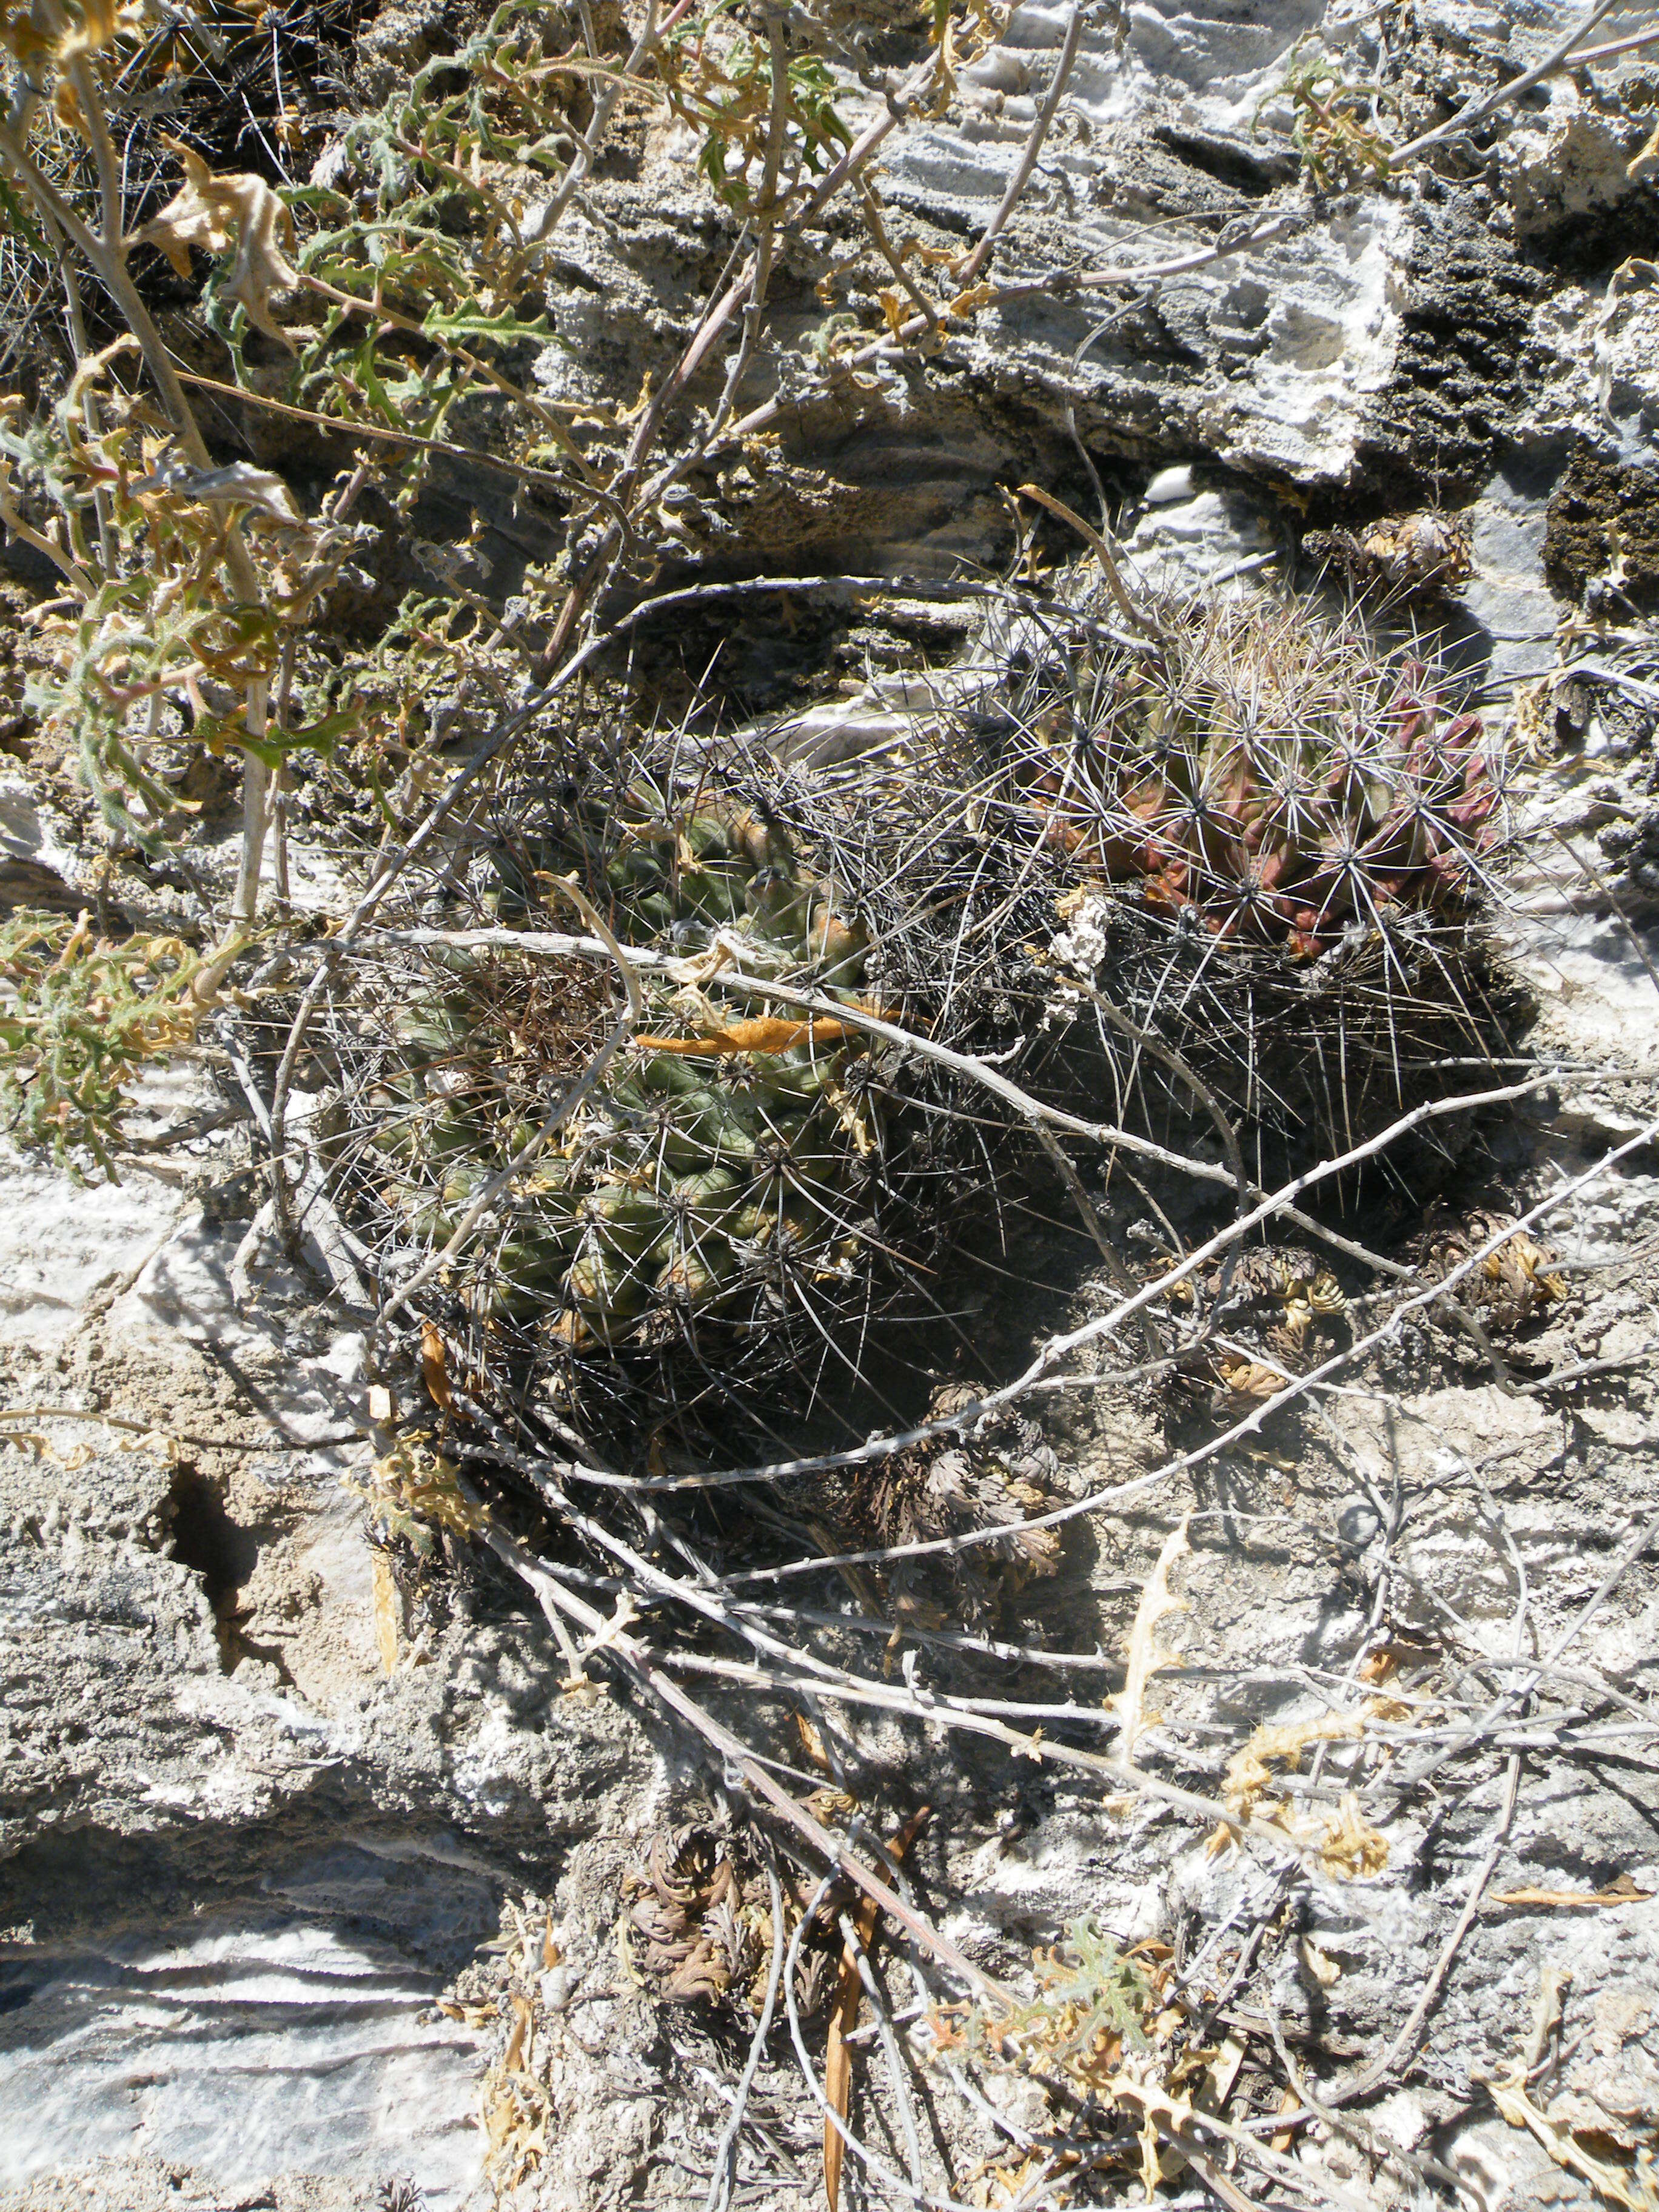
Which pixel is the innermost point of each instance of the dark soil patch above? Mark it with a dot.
(1604, 510)
(1591, 241)
(1438, 428)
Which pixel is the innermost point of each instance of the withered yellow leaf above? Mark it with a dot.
(1142, 1655)
(434, 1373)
(766, 1033)
(237, 210)
(387, 1613)
(812, 1743)
(1352, 1846)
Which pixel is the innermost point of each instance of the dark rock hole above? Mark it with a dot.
(207, 1539)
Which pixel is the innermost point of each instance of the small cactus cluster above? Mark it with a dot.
(1278, 837)
(1274, 775)
(723, 1174)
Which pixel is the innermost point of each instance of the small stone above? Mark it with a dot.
(1358, 1522)
(1169, 486)
(558, 1984)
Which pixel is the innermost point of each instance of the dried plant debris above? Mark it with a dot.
(1337, 124)
(506, 1993)
(1092, 2002)
(414, 1497)
(1516, 1283)
(938, 1489)
(1114, 2053)
(216, 214)
(1274, 1311)
(676, 1947)
(1398, 556)
(1578, 2122)
(695, 1928)
(1345, 1843)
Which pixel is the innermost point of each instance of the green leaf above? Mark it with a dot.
(20, 223)
(319, 736)
(505, 328)
(320, 198)
(229, 733)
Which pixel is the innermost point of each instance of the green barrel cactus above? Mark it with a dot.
(716, 1195)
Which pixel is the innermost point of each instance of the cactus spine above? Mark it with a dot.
(1270, 774)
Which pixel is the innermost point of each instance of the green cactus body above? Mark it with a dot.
(692, 1183)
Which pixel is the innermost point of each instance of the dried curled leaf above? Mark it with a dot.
(239, 484)
(412, 1492)
(32, 37)
(1347, 1843)
(1351, 1847)
(238, 210)
(1523, 1264)
(1622, 1892)
(766, 1033)
(1141, 1651)
(1251, 1378)
(434, 1371)
(1248, 1774)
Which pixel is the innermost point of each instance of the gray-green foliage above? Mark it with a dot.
(79, 1019)
(1091, 2004)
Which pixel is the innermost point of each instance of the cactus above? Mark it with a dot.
(1279, 842)
(1272, 775)
(722, 1178)
(1265, 842)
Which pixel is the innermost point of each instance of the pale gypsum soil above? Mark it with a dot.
(241, 1865)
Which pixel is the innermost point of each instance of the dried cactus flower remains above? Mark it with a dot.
(1399, 556)
(694, 1930)
(938, 1489)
